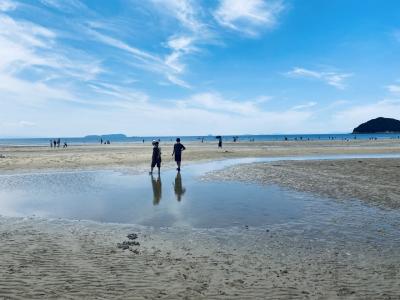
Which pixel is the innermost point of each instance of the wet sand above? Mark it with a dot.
(60, 259)
(138, 156)
(70, 259)
(374, 181)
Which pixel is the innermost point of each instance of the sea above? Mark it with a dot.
(209, 138)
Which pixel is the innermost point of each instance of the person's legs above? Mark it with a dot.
(153, 164)
(159, 168)
(179, 165)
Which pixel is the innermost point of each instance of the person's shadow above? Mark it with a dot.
(157, 189)
(179, 190)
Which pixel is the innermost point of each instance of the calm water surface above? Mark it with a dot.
(173, 199)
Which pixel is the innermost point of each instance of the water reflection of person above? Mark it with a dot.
(179, 190)
(157, 191)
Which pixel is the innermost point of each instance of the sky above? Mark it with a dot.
(196, 67)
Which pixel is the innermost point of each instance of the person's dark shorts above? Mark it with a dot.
(178, 157)
(156, 163)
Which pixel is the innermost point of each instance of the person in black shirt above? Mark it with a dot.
(178, 148)
(156, 157)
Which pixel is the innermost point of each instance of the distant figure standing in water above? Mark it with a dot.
(156, 157)
(178, 148)
(55, 143)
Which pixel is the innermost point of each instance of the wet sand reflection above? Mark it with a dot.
(178, 188)
(157, 189)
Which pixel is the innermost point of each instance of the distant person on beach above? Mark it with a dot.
(55, 143)
(220, 142)
(51, 143)
(156, 157)
(65, 145)
(58, 143)
(178, 148)
(101, 141)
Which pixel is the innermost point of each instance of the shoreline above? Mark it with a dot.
(28, 159)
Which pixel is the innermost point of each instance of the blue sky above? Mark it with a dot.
(185, 67)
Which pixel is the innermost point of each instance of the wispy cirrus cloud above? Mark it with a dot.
(28, 48)
(190, 32)
(334, 79)
(393, 88)
(64, 5)
(185, 11)
(217, 103)
(305, 105)
(7, 5)
(197, 27)
(249, 16)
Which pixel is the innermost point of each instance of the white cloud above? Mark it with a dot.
(215, 102)
(185, 11)
(248, 16)
(65, 5)
(7, 5)
(25, 45)
(180, 46)
(304, 106)
(191, 30)
(20, 124)
(347, 119)
(331, 78)
(170, 67)
(393, 88)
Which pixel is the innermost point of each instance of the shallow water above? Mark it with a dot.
(174, 199)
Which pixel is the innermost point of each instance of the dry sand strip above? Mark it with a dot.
(42, 259)
(139, 155)
(375, 181)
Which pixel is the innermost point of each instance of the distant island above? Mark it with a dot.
(106, 137)
(379, 125)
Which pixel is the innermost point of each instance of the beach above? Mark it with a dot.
(374, 181)
(138, 156)
(329, 256)
(75, 260)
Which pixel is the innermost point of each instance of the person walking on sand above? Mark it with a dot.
(178, 148)
(156, 157)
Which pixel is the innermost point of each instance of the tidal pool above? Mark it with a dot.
(174, 199)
